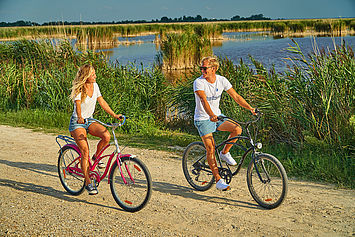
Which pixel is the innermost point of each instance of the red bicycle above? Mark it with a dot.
(129, 179)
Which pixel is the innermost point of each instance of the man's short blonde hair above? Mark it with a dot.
(212, 61)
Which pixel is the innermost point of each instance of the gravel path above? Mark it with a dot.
(33, 202)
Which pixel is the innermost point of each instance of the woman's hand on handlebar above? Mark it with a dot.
(118, 116)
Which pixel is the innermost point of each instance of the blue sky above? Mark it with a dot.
(117, 10)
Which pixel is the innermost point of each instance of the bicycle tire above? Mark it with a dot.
(133, 195)
(271, 191)
(72, 183)
(196, 174)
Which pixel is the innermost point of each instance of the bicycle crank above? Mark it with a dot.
(226, 174)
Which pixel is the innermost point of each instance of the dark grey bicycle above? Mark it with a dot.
(266, 177)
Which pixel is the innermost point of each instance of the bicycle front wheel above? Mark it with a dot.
(267, 181)
(68, 170)
(196, 169)
(131, 184)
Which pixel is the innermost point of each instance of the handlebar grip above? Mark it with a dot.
(124, 119)
(258, 112)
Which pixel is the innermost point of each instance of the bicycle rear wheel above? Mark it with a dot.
(195, 166)
(72, 181)
(131, 184)
(267, 181)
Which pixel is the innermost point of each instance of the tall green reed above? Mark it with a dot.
(185, 50)
(38, 76)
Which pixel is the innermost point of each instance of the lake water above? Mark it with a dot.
(262, 46)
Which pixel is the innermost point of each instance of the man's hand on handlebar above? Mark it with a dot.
(254, 111)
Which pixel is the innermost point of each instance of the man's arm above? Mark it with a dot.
(206, 105)
(240, 100)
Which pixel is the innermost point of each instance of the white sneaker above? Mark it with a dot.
(221, 185)
(227, 158)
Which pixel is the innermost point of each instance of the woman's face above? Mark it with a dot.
(92, 77)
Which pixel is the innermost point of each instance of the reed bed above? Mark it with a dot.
(336, 26)
(309, 120)
(185, 50)
(37, 75)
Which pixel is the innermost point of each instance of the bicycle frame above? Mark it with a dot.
(93, 173)
(246, 150)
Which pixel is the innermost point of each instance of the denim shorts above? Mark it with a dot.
(205, 127)
(73, 124)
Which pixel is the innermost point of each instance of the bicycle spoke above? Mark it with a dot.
(72, 181)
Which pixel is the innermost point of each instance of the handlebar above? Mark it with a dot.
(258, 116)
(111, 125)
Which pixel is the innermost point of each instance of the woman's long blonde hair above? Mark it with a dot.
(82, 75)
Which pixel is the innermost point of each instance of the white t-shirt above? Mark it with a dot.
(88, 106)
(213, 93)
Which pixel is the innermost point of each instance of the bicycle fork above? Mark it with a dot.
(257, 161)
(119, 163)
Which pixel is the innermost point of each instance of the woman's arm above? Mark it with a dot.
(240, 100)
(107, 108)
(78, 111)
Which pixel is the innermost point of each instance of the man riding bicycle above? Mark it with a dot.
(208, 90)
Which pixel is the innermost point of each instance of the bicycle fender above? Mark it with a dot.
(74, 146)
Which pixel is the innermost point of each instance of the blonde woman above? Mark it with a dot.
(208, 90)
(85, 93)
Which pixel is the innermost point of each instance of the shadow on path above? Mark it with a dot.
(48, 191)
(43, 169)
(185, 192)
(163, 187)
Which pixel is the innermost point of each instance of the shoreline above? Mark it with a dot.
(256, 30)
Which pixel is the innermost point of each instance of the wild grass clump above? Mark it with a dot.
(38, 75)
(185, 50)
(297, 27)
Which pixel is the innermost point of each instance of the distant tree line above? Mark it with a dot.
(164, 19)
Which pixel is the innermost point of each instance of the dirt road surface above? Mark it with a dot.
(33, 202)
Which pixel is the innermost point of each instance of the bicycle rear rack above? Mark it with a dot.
(66, 139)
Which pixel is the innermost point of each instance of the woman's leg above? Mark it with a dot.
(209, 143)
(80, 137)
(100, 131)
(234, 129)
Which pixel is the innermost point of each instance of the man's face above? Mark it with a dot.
(207, 70)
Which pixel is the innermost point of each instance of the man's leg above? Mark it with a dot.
(209, 143)
(234, 129)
